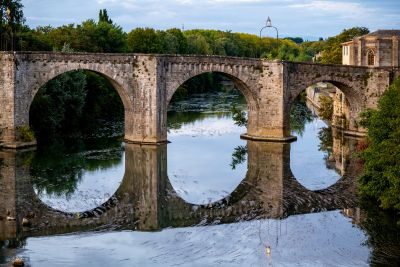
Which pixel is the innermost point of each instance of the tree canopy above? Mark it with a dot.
(332, 49)
(381, 179)
(11, 20)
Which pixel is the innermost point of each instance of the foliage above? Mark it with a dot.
(58, 105)
(300, 114)
(381, 178)
(203, 83)
(326, 141)
(11, 21)
(90, 36)
(239, 116)
(103, 16)
(382, 228)
(106, 36)
(58, 168)
(11, 13)
(325, 110)
(238, 156)
(144, 40)
(297, 40)
(73, 104)
(27, 134)
(102, 103)
(332, 49)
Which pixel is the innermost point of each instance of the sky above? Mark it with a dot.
(309, 19)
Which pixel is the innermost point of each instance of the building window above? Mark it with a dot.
(371, 58)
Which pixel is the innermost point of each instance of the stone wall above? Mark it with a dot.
(7, 80)
(146, 84)
(362, 86)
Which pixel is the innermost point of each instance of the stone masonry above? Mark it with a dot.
(146, 84)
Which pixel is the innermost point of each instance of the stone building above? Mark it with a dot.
(377, 49)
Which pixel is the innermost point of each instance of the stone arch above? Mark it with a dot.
(58, 70)
(49, 70)
(242, 83)
(371, 58)
(344, 85)
(351, 92)
(242, 76)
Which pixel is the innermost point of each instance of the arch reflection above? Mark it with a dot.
(146, 200)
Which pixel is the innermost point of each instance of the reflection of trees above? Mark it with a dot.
(326, 141)
(383, 230)
(239, 116)
(218, 101)
(238, 156)
(76, 104)
(300, 114)
(59, 168)
(177, 119)
(198, 108)
(326, 146)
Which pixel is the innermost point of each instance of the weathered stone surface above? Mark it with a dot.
(146, 84)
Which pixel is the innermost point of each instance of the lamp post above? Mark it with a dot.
(269, 25)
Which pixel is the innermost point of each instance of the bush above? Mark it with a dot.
(381, 178)
(26, 134)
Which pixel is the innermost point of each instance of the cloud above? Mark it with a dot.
(292, 17)
(340, 8)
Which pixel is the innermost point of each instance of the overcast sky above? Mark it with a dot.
(305, 18)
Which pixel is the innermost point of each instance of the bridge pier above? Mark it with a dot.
(146, 84)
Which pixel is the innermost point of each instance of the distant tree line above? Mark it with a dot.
(105, 36)
(76, 100)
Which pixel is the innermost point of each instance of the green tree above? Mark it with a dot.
(58, 105)
(198, 45)
(297, 40)
(34, 40)
(239, 156)
(174, 42)
(332, 49)
(101, 37)
(239, 116)
(11, 21)
(381, 178)
(144, 40)
(300, 114)
(103, 16)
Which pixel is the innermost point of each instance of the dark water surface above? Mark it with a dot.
(207, 198)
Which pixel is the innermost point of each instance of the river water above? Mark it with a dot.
(208, 198)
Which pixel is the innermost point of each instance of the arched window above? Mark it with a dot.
(371, 58)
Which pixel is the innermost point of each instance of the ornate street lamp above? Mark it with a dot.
(269, 25)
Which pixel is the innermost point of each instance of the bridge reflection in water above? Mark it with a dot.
(146, 201)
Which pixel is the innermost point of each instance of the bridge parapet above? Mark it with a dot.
(146, 84)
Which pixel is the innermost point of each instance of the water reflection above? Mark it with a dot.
(268, 190)
(320, 171)
(77, 178)
(146, 200)
(201, 167)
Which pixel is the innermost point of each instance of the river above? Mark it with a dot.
(207, 198)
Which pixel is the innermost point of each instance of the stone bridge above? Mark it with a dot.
(146, 84)
(147, 201)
